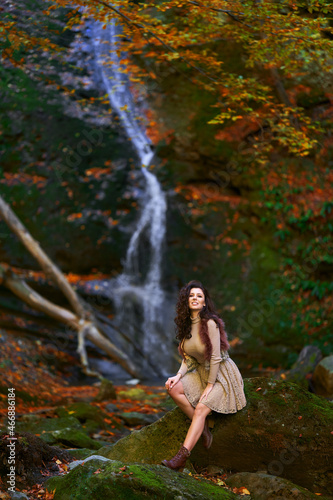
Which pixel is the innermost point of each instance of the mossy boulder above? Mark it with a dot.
(283, 429)
(266, 487)
(82, 411)
(79, 453)
(65, 430)
(91, 417)
(68, 437)
(46, 425)
(96, 479)
(136, 418)
(106, 391)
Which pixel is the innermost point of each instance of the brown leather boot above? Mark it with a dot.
(179, 460)
(207, 436)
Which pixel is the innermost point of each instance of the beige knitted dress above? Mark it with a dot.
(227, 395)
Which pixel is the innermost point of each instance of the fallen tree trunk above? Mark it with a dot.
(84, 327)
(51, 270)
(82, 320)
(283, 430)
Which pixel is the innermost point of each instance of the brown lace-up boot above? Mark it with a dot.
(207, 436)
(179, 460)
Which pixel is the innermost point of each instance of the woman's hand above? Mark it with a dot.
(172, 381)
(205, 393)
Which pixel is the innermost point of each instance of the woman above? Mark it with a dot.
(208, 379)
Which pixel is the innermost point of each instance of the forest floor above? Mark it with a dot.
(43, 383)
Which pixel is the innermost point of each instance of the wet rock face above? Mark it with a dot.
(283, 429)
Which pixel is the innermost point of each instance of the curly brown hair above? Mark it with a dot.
(183, 315)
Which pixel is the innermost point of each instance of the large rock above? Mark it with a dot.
(97, 479)
(304, 366)
(323, 377)
(68, 437)
(41, 426)
(33, 459)
(284, 430)
(79, 453)
(267, 487)
(106, 391)
(83, 412)
(136, 418)
(66, 430)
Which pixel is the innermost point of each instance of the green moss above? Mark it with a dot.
(71, 437)
(146, 475)
(65, 430)
(168, 403)
(90, 426)
(134, 393)
(311, 409)
(80, 453)
(131, 482)
(266, 426)
(42, 425)
(281, 392)
(83, 412)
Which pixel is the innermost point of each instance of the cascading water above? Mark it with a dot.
(116, 83)
(137, 294)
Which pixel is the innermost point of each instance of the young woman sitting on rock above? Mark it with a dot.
(208, 379)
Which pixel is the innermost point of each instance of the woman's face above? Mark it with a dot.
(196, 299)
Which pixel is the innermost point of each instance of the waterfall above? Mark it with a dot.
(137, 294)
(116, 83)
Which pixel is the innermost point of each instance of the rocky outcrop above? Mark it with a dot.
(96, 479)
(106, 391)
(283, 430)
(304, 366)
(32, 458)
(267, 487)
(323, 377)
(74, 427)
(136, 418)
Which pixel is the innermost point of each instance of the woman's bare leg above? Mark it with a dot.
(177, 394)
(197, 426)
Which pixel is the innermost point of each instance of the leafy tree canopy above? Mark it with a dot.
(281, 43)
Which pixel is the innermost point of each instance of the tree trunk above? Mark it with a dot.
(82, 320)
(51, 270)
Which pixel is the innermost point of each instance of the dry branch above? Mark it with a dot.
(82, 320)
